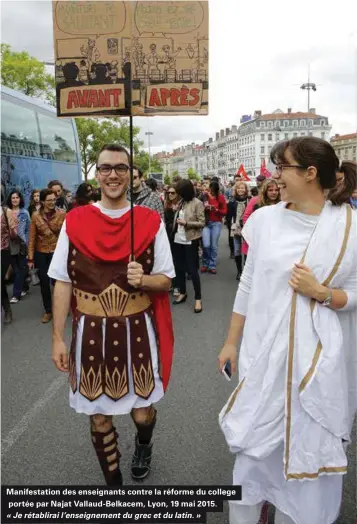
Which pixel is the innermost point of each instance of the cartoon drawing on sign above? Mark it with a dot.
(149, 47)
(70, 73)
(113, 46)
(90, 51)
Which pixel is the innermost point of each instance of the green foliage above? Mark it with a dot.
(93, 182)
(94, 133)
(25, 73)
(142, 160)
(175, 173)
(192, 175)
(167, 180)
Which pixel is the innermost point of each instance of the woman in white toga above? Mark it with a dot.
(290, 418)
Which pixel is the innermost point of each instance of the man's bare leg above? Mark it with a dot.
(105, 442)
(144, 420)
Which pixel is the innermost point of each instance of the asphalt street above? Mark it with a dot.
(44, 442)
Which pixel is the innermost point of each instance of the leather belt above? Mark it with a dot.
(112, 302)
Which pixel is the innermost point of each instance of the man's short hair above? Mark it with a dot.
(141, 174)
(116, 148)
(54, 183)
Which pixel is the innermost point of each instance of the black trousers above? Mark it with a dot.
(5, 264)
(42, 262)
(186, 260)
(230, 242)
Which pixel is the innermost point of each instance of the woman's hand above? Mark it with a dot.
(181, 222)
(303, 281)
(229, 352)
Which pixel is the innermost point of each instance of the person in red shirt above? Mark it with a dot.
(216, 209)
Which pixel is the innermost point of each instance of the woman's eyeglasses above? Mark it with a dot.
(106, 170)
(171, 193)
(279, 168)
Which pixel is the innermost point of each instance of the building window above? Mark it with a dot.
(295, 135)
(262, 124)
(323, 135)
(270, 148)
(270, 125)
(19, 132)
(302, 123)
(262, 150)
(311, 123)
(270, 137)
(296, 123)
(286, 123)
(322, 123)
(277, 137)
(286, 136)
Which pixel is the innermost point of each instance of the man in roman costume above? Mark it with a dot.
(122, 339)
(290, 418)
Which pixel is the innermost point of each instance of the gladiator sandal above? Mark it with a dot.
(106, 448)
(141, 462)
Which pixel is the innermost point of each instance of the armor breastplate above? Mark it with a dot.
(101, 291)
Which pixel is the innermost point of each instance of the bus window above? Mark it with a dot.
(19, 131)
(57, 139)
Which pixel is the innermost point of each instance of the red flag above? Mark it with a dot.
(263, 170)
(242, 173)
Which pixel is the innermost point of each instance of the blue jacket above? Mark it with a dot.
(24, 225)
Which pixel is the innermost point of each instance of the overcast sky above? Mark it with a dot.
(259, 51)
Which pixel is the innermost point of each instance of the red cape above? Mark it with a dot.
(100, 237)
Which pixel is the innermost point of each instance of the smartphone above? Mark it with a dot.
(227, 370)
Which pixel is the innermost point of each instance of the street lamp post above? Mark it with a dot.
(149, 134)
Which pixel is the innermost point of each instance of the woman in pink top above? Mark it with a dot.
(216, 209)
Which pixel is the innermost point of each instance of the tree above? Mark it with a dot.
(167, 180)
(142, 160)
(94, 133)
(26, 74)
(192, 175)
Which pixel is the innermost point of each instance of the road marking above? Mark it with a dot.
(22, 426)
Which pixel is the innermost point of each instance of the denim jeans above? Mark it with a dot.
(19, 266)
(210, 237)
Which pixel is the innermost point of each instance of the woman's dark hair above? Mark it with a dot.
(214, 188)
(309, 151)
(14, 192)
(44, 193)
(341, 194)
(152, 184)
(84, 194)
(254, 191)
(169, 203)
(185, 189)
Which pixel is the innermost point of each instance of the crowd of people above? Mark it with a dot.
(194, 213)
(293, 240)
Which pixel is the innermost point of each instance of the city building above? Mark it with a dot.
(258, 135)
(249, 144)
(345, 146)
